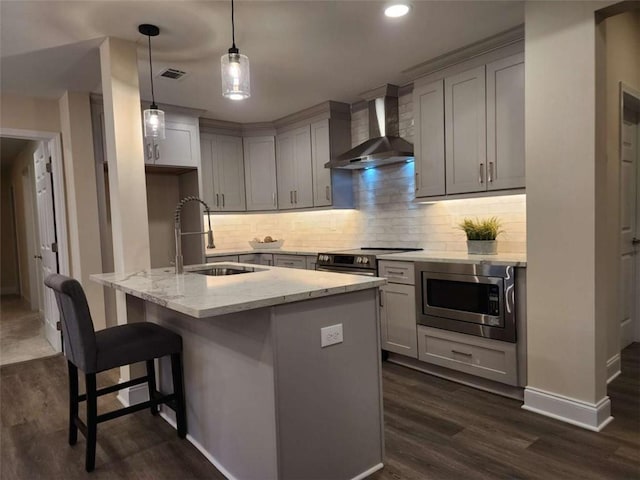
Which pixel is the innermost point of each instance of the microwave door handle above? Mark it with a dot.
(509, 299)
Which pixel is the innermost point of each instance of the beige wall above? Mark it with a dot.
(566, 336)
(622, 50)
(29, 113)
(9, 277)
(81, 198)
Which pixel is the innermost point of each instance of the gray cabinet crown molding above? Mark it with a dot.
(98, 99)
(508, 37)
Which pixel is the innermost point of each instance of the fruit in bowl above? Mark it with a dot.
(268, 242)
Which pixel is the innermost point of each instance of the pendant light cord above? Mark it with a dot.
(153, 98)
(233, 27)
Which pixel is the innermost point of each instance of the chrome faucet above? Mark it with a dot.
(179, 233)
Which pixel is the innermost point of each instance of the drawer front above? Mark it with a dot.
(477, 356)
(397, 272)
(253, 258)
(222, 258)
(290, 261)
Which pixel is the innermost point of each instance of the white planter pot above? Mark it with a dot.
(482, 247)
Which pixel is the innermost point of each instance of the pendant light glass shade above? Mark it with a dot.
(236, 82)
(153, 117)
(154, 123)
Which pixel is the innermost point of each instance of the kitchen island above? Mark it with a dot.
(265, 399)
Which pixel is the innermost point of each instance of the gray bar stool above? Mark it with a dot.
(93, 352)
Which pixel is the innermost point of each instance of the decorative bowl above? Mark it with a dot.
(266, 245)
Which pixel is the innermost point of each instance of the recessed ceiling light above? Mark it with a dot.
(397, 10)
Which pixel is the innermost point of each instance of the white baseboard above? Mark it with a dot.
(613, 368)
(586, 415)
(171, 421)
(133, 395)
(200, 448)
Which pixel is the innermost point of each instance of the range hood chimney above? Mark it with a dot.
(384, 145)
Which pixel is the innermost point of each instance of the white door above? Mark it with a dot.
(629, 224)
(48, 245)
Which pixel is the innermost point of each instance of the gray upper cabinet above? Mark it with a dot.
(223, 172)
(505, 123)
(465, 126)
(180, 148)
(260, 173)
(293, 166)
(321, 154)
(469, 126)
(428, 101)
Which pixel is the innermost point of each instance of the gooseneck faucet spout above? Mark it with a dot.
(179, 233)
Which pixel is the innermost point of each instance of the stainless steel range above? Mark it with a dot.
(360, 261)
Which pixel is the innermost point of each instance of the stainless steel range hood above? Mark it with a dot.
(384, 145)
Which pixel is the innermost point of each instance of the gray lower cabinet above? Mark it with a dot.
(482, 357)
(290, 261)
(398, 308)
(312, 262)
(256, 258)
(398, 319)
(222, 258)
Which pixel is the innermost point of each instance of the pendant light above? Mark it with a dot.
(236, 84)
(153, 117)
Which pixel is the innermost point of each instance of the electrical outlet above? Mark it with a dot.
(331, 335)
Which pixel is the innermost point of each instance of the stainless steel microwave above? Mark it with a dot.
(477, 299)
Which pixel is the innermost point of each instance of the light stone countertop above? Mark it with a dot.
(509, 259)
(284, 250)
(204, 296)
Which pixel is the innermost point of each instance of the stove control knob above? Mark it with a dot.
(358, 259)
(365, 260)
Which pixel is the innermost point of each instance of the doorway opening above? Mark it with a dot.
(33, 243)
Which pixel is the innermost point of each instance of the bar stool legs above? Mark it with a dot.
(151, 382)
(178, 389)
(73, 403)
(92, 421)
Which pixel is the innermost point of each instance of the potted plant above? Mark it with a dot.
(481, 235)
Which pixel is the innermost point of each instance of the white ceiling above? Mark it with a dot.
(301, 52)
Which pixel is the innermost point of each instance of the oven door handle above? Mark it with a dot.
(346, 270)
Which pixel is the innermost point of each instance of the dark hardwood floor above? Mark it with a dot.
(435, 429)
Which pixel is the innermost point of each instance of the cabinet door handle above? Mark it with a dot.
(273, 196)
(223, 200)
(481, 174)
(149, 152)
(327, 192)
(295, 196)
(217, 200)
(417, 183)
(156, 151)
(466, 354)
(394, 272)
(381, 298)
(490, 173)
(291, 197)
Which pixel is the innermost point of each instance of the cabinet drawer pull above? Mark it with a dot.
(291, 197)
(156, 150)
(466, 354)
(295, 196)
(481, 174)
(217, 200)
(394, 272)
(327, 192)
(490, 173)
(223, 200)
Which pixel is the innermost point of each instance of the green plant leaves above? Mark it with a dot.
(485, 229)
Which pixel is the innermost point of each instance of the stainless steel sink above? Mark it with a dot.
(221, 271)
